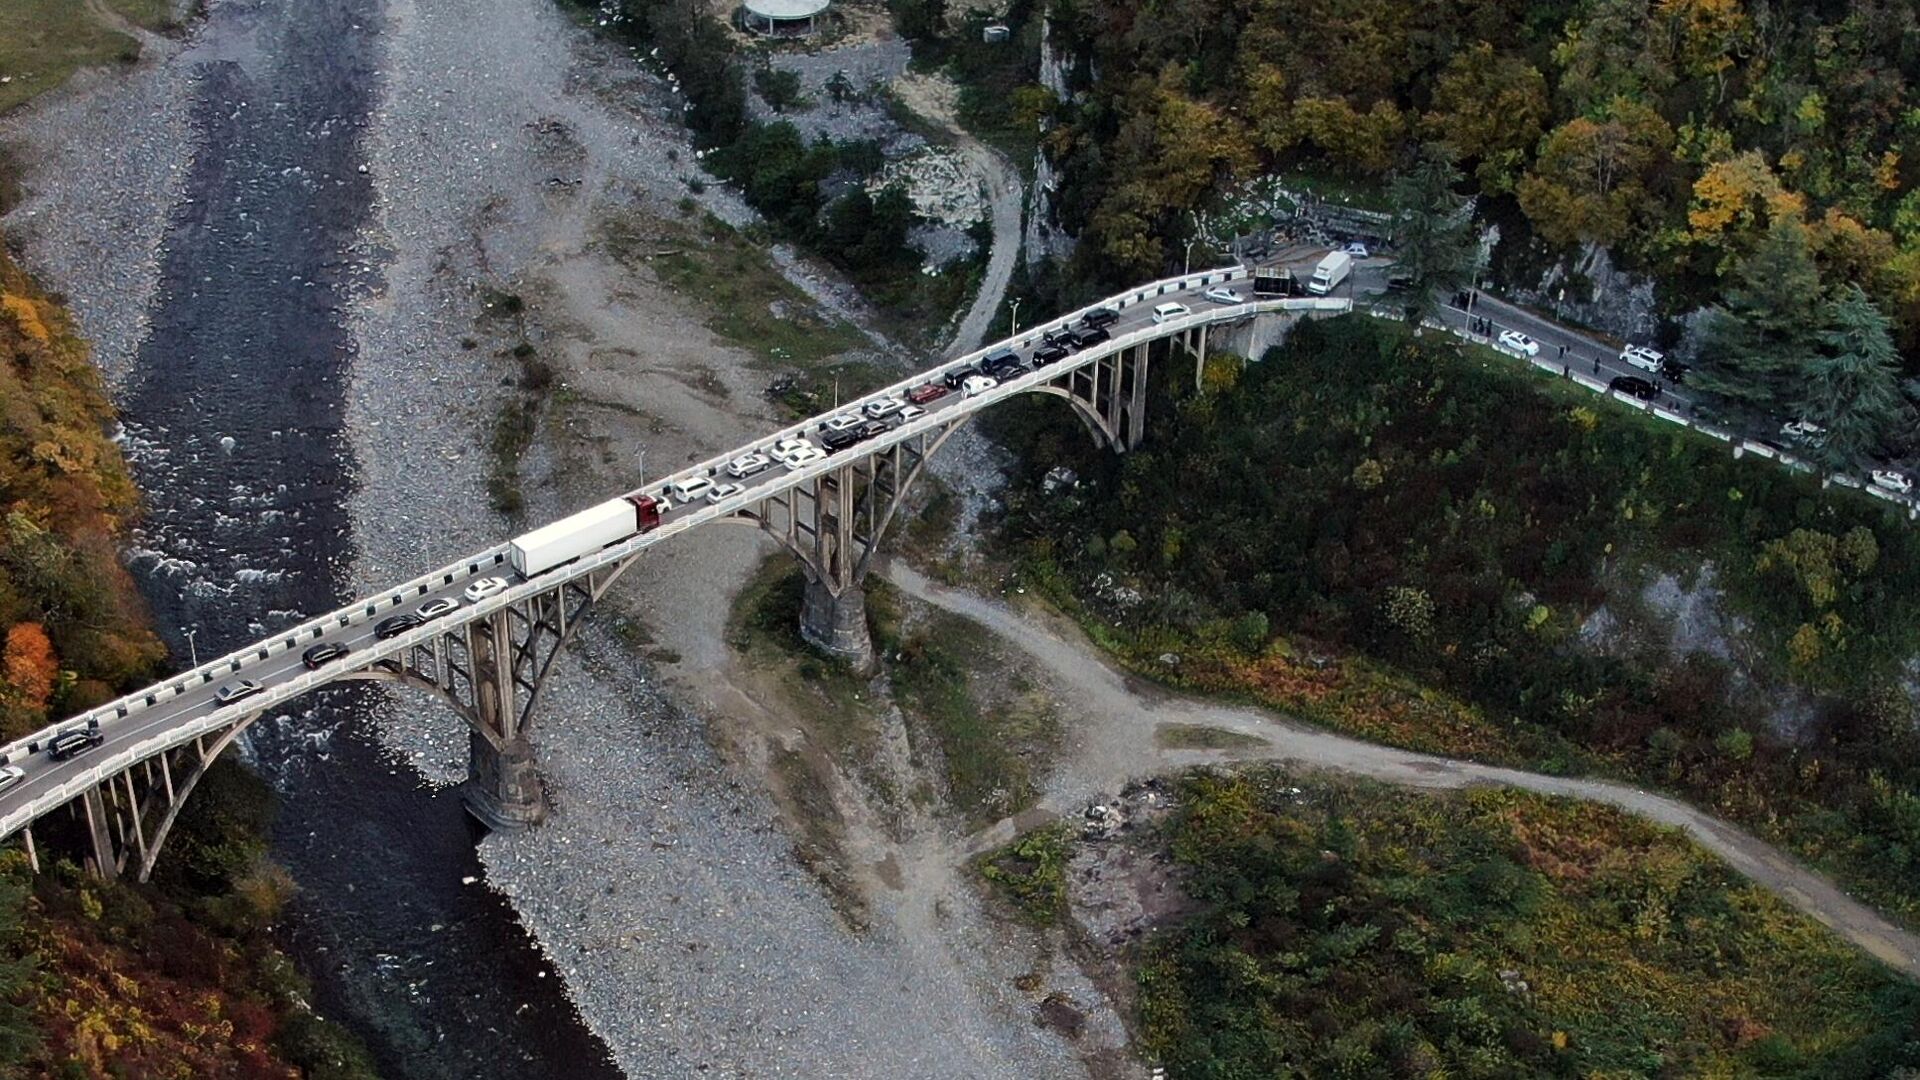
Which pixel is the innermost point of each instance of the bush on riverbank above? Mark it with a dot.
(1454, 517)
(1350, 929)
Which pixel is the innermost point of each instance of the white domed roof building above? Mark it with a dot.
(782, 18)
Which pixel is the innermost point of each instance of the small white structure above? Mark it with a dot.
(781, 18)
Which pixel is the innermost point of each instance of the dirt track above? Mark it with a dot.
(1120, 745)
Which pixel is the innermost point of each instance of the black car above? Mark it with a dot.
(1060, 336)
(73, 743)
(1093, 335)
(1009, 367)
(1049, 354)
(1673, 371)
(324, 653)
(958, 375)
(1636, 386)
(1099, 317)
(998, 357)
(394, 625)
(871, 429)
(836, 441)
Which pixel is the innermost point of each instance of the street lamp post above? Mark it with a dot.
(1016, 318)
(192, 653)
(1186, 264)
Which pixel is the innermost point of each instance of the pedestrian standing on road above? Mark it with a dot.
(1563, 352)
(1596, 365)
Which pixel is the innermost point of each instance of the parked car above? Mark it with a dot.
(1169, 310)
(977, 384)
(1645, 359)
(488, 586)
(722, 492)
(433, 609)
(1636, 386)
(1519, 342)
(880, 410)
(836, 441)
(1006, 370)
(955, 378)
(1061, 336)
(872, 429)
(1099, 317)
(1802, 430)
(841, 422)
(687, 490)
(1092, 336)
(324, 653)
(1674, 371)
(789, 446)
(394, 625)
(11, 775)
(237, 690)
(747, 465)
(73, 742)
(1356, 249)
(1224, 296)
(1893, 481)
(803, 457)
(1049, 354)
(926, 392)
(908, 415)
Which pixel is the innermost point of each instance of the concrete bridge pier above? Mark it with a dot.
(836, 623)
(503, 788)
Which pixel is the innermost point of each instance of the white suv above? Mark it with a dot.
(747, 465)
(1643, 358)
(841, 422)
(1168, 311)
(689, 489)
(885, 407)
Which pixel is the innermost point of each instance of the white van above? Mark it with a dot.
(685, 491)
(1168, 311)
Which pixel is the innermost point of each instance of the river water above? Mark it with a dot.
(247, 344)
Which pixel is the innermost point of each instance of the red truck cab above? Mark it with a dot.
(646, 512)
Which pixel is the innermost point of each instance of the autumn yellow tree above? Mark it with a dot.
(1590, 183)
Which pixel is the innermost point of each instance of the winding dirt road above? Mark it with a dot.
(1121, 745)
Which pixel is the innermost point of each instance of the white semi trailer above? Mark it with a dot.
(583, 533)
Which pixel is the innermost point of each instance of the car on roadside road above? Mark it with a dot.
(1674, 371)
(1356, 249)
(1515, 341)
(1893, 481)
(687, 490)
(789, 446)
(1635, 386)
(955, 378)
(324, 653)
(925, 392)
(11, 775)
(908, 415)
(977, 384)
(236, 690)
(1647, 360)
(747, 465)
(1093, 335)
(73, 742)
(435, 608)
(1062, 336)
(803, 457)
(487, 586)
(1099, 317)
(1169, 310)
(722, 492)
(394, 625)
(841, 422)
(836, 441)
(1224, 296)
(1049, 354)
(885, 407)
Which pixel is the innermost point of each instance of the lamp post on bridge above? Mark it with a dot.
(1015, 322)
(1186, 264)
(192, 653)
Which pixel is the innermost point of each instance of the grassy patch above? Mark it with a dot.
(747, 300)
(1032, 871)
(151, 14)
(1203, 737)
(1353, 929)
(837, 706)
(47, 40)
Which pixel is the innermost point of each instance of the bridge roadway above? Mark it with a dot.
(181, 709)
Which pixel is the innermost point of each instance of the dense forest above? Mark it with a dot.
(1346, 497)
(76, 631)
(1348, 929)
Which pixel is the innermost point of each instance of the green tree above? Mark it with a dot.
(1489, 109)
(1760, 345)
(1433, 232)
(1591, 181)
(18, 1035)
(1853, 390)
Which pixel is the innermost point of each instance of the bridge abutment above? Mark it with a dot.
(837, 625)
(503, 788)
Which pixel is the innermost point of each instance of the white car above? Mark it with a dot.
(1643, 358)
(722, 492)
(788, 447)
(11, 775)
(433, 609)
(1356, 249)
(236, 690)
(484, 588)
(977, 384)
(1802, 430)
(746, 465)
(1519, 342)
(1893, 481)
(1224, 296)
(841, 422)
(1167, 311)
(910, 413)
(689, 489)
(885, 407)
(802, 457)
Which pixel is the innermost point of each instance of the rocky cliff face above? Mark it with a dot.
(1044, 239)
(1588, 290)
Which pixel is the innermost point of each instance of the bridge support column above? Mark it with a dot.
(503, 788)
(104, 863)
(836, 624)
